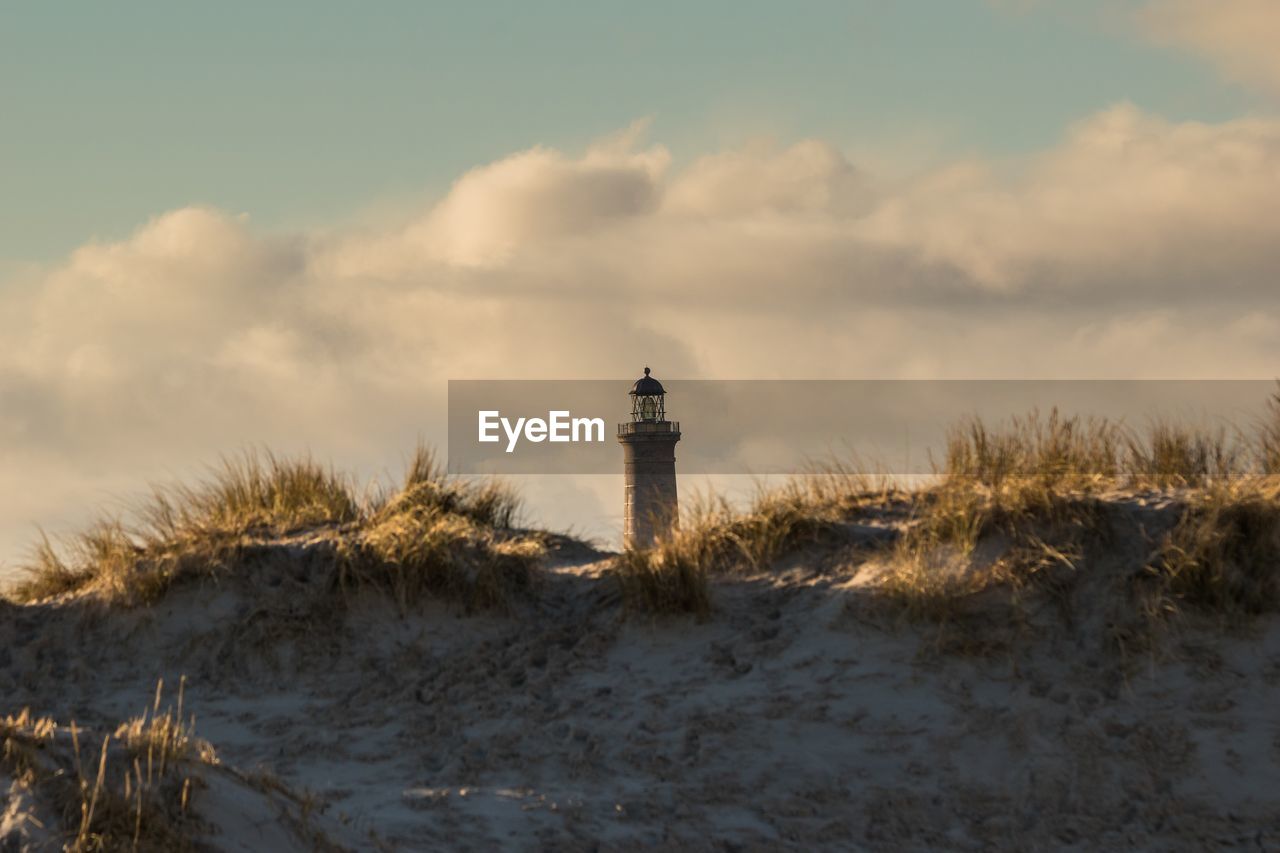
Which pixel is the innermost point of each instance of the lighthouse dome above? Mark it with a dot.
(647, 386)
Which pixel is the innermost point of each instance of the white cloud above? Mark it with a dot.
(1129, 202)
(1135, 247)
(1238, 36)
(534, 196)
(809, 177)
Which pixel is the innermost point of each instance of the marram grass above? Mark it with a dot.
(433, 536)
(1038, 484)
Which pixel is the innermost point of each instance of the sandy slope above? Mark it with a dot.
(794, 718)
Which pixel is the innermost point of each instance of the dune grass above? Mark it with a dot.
(435, 535)
(427, 487)
(255, 491)
(1075, 454)
(668, 578)
(49, 573)
(979, 607)
(441, 537)
(1029, 487)
(971, 554)
(133, 788)
(181, 530)
(1051, 451)
(1030, 491)
(1172, 455)
(672, 574)
(1223, 556)
(423, 552)
(1268, 437)
(131, 791)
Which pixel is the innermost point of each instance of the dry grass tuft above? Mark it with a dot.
(1074, 454)
(838, 486)
(972, 556)
(435, 536)
(1223, 556)
(48, 574)
(133, 793)
(1268, 437)
(1015, 512)
(252, 492)
(184, 530)
(22, 736)
(669, 578)
(776, 522)
(941, 588)
(442, 537)
(1177, 455)
(163, 737)
(422, 553)
(427, 487)
(1054, 452)
(1012, 515)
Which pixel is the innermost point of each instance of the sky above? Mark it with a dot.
(307, 114)
(288, 224)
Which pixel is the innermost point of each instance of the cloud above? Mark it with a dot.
(1129, 203)
(810, 176)
(1135, 247)
(1238, 36)
(494, 211)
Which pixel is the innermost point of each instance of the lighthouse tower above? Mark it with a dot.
(649, 463)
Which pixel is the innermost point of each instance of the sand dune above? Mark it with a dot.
(798, 715)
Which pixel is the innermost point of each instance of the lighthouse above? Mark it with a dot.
(648, 444)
